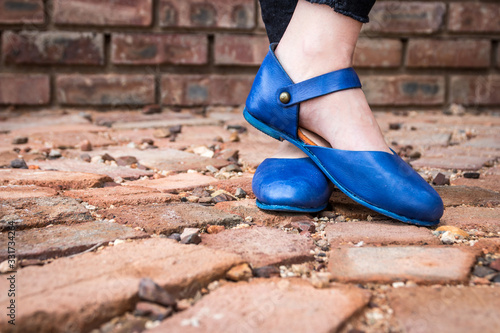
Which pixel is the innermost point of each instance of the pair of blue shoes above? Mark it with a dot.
(378, 180)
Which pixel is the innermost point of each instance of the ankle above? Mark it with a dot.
(306, 59)
(317, 41)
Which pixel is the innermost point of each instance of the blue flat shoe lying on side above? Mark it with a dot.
(378, 180)
(291, 185)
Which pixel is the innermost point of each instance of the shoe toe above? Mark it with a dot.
(291, 182)
(383, 182)
(424, 205)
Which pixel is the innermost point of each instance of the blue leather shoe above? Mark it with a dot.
(378, 180)
(291, 185)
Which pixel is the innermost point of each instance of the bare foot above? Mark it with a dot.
(318, 41)
(288, 150)
(345, 120)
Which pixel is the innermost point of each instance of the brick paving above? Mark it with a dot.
(145, 198)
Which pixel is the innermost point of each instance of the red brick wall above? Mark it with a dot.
(129, 53)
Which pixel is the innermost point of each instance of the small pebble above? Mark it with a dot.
(394, 126)
(54, 153)
(415, 155)
(86, 158)
(126, 160)
(205, 200)
(85, 115)
(190, 236)
(455, 109)
(327, 214)
(19, 140)
(441, 179)
(107, 157)
(6, 266)
(241, 272)
(454, 230)
(472, 175)
(212, 169)
(266, 272)
(85, 145)
(233, 168)
(221, 198)
(240, 193)
(482, 271)
(304, 226)
(234, 137)
(175, 236)
(147, 141)
(215, 229)
(153, 311)
(238, 128)
(18, 163)
(150, 291)
(183, 305)
(192, 199)
(175, 129)
(203, 151)
(448, 238)
(340, 218)
(161, 133)
(321, 279)
(229, 154)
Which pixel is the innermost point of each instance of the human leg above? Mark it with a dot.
(318, 41)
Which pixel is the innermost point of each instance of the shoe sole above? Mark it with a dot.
(282, 136)
(284, 208)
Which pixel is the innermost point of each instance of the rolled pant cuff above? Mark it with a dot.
(343, 7)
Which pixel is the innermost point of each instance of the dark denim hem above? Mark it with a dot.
(339, 7)
(276, 14)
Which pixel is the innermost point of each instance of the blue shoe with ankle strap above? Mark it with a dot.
(378, 180)
(291, 185)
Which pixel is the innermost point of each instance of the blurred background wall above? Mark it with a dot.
(128, 54)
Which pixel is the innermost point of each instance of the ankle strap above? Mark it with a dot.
(321, 85)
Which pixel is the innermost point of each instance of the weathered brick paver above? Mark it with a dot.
(42, 211)
(167, 219)
(447, 309)
(55, 179)
(269, 306)
(120, 196)
(153, 188)
(468, 195)
(182, 181)
(389, 264)
(489, 182)
(378, 233)
(112, 171)
(63, 240)
(459, 162)
(488, 245)
(230, 185)
(248, 208)
(6, 157)
(456, 157)
(166, 159)
(89, 289)
(262, 246)
(25, 191)
(482, 218)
